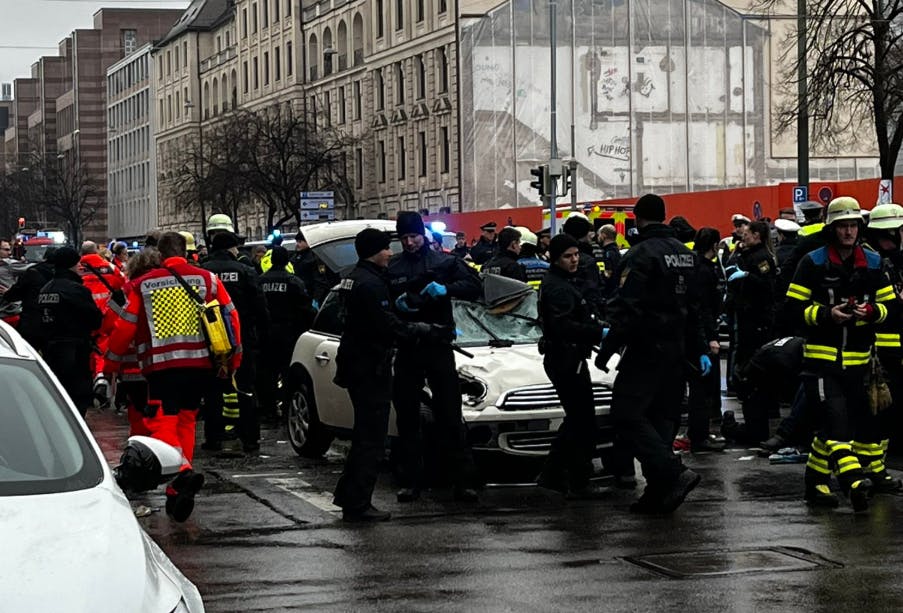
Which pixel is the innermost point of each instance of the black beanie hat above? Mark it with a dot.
(279, 257)
(561, 243)
(577, 226)
(409, 222)
(650, 207)
(371, 241)
(66, 257)
(224, 240)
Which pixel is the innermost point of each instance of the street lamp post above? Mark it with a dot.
(802, 119)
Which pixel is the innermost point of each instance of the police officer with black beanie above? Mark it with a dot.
(587, 278)
(569, 333)
(364, 367)
(423, 283)
(69, 317)
(654, 316)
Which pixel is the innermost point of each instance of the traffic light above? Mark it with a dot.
(541, 182)
(21, 223)
(568, 177)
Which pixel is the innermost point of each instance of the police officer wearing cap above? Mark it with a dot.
(486, 246)
(653, 318)
(569, 332)
(68, 319)
(588, 279)
(543, 237)
(242, 284)
(423, 282)
(809, 238)
(504, 262)
(364, 367)
(787, 238)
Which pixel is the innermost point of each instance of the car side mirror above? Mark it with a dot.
(146, 463)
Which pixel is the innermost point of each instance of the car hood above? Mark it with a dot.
(504, 369)
(80, 551)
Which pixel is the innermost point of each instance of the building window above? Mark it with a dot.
(443, 70)
(380, 32)
(399, 84)
(399, 14)
(288, 7)
(341, 102)
(266, 13)
(313, 111)
(178, 106)
(254, 18)
(219, 44)
(443, 6)
(176, 62)
(380, 89)
(160, 68)
(244, 23)
(288, 58)
(256, 74)
(277, 61)
(266, 67)
(276, 10)
(359, 168)
(169, 63)
(381, 160)
(445, 152)
(421, 77)
(227, 39)
(401, 159)
(421, 144)
(129, 41)
(357, 99)
(327, 99)
(420, 11)
(185, 54)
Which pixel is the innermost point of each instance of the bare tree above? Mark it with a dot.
(18, 198)
(854, 57)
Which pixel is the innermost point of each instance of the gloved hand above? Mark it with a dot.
(434, 290)
(401, 303)
(729, 270)
(315, 304)
(601, 361)
(705, 365)
(740, 274)
(604, 334)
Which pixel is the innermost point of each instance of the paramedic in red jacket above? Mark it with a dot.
(103, 279)
(162, 319)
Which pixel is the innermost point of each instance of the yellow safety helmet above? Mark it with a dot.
(843, 208)
(220, 221)
(189, 241)
(886, 217)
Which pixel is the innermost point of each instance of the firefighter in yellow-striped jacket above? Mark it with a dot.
(840, 294)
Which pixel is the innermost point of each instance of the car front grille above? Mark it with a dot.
(545, 397)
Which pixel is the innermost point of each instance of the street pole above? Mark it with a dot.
(802, 118)
(553, 101)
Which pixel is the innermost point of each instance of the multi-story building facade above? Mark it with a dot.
(131, 154)
(15, 144)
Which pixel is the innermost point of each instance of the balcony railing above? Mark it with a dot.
(220, 58)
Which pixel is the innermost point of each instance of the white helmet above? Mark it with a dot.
(220, 221)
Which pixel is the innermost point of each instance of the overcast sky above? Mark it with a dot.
(27, 26)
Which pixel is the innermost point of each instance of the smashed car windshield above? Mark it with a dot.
(517, 325)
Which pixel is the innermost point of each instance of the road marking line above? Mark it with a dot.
(259, 475)
(320, 500)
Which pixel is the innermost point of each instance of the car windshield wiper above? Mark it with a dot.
(532, 320)
(495, 341)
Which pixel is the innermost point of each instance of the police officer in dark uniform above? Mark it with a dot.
(787, 238)
(317, 277)
(69, 317)
(588, 279)
(486, 246)
(423, 283)
(569, 332)
(461, 249)
(504, 262)
(654, 316)
(26, 290)
(291, 314)
(544, 238)
(242, 284)
(364, 367)
(751, 294)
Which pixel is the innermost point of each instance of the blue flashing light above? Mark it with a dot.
(438, 226)
(277, 233)
(134, 244)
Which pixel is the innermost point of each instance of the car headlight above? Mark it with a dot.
(181, 607)
(473, 391)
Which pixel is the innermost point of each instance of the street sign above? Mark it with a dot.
(885, 191)
(825, 194)
(317, 206)
(800, 194)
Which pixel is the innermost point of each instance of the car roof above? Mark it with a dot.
(319, 233)
(12, 345)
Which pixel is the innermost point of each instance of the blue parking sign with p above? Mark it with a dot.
(800, 194)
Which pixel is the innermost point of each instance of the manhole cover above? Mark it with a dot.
(716, 563)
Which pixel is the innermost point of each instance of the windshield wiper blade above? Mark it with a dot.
(477, 321)
(500, 343)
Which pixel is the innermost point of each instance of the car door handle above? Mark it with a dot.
(322, 358)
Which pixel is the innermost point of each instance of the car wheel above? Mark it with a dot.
(308, 437)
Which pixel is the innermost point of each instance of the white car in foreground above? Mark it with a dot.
(70, 540)
(509, 404)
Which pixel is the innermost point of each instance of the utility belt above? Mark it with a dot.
(566, 350)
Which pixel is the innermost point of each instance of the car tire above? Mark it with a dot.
(308, 437)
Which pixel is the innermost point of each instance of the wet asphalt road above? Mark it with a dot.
(264, 537)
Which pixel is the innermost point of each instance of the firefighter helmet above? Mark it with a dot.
(220, 221)
(886, 217)
(843, 208)
(526, 236)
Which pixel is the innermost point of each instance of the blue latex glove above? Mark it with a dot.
(434, 290)
(730, 270)
(458, 332)
(315, 304)
(401, 303)
(740, 274)
(705, 365)
(604, 334)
